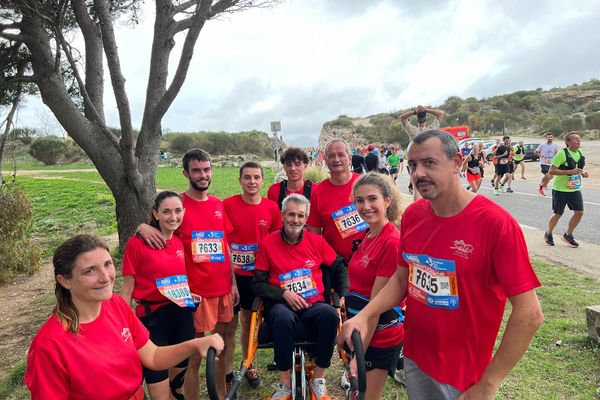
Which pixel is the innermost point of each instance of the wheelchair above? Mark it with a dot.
(261, 337)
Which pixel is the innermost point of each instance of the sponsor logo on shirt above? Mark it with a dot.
(309, 264)
(461, 248)
(179, 254)
(126, 335)
(218, 214)
(262, 222)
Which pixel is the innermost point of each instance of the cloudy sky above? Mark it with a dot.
(307, 61)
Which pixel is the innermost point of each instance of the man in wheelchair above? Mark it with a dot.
(289, 279)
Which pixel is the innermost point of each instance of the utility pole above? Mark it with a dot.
(275, 129)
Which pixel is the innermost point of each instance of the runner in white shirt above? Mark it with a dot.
(546, 152)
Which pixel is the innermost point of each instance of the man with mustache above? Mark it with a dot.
(288, 277)
(333, 213)
(456, 281)
(204, 233)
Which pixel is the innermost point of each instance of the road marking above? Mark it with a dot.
(541, 197)
(528, 227)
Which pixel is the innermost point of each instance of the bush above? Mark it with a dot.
(315, 173)
(48, 149)
(18, 254)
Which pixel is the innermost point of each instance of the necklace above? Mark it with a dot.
(365, 248)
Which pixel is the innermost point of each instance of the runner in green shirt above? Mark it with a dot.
(519, 158)
(393, 160)
(568, 168)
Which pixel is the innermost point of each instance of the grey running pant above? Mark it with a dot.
(421, 386)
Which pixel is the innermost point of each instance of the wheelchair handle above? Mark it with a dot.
(211, 380)
(361, 368)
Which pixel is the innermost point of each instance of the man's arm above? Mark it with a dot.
(439, 114)
(525, 319)
(404, 117)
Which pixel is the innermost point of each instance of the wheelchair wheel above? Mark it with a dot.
(211, 381)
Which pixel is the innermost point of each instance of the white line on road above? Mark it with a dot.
(537, 195)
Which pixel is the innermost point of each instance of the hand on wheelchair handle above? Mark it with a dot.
(353, 324)
(215, 341)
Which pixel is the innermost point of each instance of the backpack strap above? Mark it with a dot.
(282, 192)
(307, 188)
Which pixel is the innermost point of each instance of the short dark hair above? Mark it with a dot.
(292, 154)
(252, 164)
(449, 143)
(194, 154)
(505, 137)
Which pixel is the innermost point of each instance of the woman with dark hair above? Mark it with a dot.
(157, 281)
(93, 346)
(377, 201)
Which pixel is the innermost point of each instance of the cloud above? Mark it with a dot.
(308, 61)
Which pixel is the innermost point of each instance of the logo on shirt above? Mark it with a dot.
(126, 335)
(262, 222)
(461, 248)
(218, 214)
(179, 253)
(365, 261)
(309, 263)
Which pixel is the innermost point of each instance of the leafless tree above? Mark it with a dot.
(75, 94)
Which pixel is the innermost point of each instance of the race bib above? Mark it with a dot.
(299, 281)
(504, 161)
(176, 289)
(348, 222)
(207, 246)
(432, 281)
(574, 182)
(243, 256)
(474, 171)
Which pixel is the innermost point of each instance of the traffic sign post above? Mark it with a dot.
(275, 129)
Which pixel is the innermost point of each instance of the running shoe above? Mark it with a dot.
(502, 189)
(495, 192)
(252, 378)
(541, 191)
(468, 187)
(509, 190)
(570, 240)
(492, 182)
(318, 390)
(283, 392)
(523, 178)
(344, 381)
(400, 377)
(548, 238)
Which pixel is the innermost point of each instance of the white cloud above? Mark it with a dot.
(307, 61)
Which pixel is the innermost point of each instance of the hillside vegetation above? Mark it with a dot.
(529, 112)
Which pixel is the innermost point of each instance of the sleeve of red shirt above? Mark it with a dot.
(46, 377)
(131, 257)
(273, 193)
(329, 255)
(226, 222)
(510, 259)
(276, 224)
(314, 219)
(262, 258)
(388, 259)
(399, 260)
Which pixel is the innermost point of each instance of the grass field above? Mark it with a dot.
(562, 362)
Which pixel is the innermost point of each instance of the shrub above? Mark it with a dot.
(315, 173)
(48, 149)
(181, 142)
(18, 254)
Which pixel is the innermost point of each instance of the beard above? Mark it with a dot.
(199, 188)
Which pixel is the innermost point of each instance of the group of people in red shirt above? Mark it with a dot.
(200, 261)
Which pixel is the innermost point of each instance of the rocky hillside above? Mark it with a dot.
(529, 112)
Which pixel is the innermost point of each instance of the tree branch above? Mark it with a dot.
(199, 18)
(12, 36)
(185, 5)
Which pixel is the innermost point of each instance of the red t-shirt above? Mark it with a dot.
(251, 222)
(204, 232)
(101, 362)
(274, 189)
(376, 257)
(297, 267)
(147, 265)
(329, 199)
(462, 269)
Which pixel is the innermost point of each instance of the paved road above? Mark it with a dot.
(533, 210)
